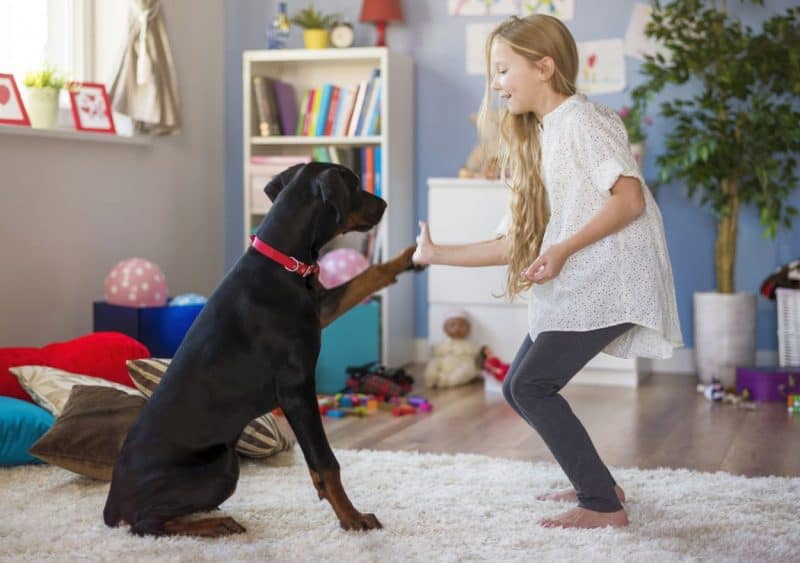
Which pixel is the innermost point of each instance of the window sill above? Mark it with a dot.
(73, 135)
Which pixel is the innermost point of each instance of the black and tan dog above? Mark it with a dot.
(253, 347)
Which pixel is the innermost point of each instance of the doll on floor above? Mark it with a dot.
(455, 359)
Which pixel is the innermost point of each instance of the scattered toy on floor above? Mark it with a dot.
(492, 365)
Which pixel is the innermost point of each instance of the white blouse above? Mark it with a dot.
(625, 277)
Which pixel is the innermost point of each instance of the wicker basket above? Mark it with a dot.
(788, 326)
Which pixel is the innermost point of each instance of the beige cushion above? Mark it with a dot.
(262, 437)
(50, 387)
(89, 434)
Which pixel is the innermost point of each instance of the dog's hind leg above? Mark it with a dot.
(303, 415)
(204, 528)
(337, 301)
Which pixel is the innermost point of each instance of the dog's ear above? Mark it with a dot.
(280, 181)
(335, 190)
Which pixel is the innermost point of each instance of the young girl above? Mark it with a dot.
(583, 234)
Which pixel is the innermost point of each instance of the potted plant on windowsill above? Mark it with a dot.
(42, 90)
(315, 26)
(734, 144)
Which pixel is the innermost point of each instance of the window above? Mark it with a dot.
(82, 38)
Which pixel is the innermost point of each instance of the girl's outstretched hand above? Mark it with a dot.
(548, 265)
(424, 253)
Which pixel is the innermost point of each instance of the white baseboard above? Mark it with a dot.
(682, 362)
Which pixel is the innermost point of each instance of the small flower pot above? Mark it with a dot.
(42, 106)
(316, 38)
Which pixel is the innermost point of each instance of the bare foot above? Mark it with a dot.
(569, 495)
(583, 518)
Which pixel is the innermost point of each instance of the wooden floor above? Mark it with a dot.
(664, 423)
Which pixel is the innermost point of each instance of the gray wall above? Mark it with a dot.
(443, 136)
(71, 210)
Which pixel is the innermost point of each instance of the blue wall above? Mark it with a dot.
(443, 137)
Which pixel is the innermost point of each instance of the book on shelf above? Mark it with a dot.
(333, 107)
(373, 110)
(286, 100)
(321, 113)
(346, 100)
(368, 169)
(359, 103)
(266, 107)
(312, 126)
(378, 170)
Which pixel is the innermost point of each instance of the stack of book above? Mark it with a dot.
(262, 170)
(328, 110)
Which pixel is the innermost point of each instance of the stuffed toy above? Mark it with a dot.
(455, 360)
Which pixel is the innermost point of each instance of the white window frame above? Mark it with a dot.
(73, 47)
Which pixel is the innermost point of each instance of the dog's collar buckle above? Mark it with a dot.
(289, 263)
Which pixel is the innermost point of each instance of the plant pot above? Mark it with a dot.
(315, 38)
(724, 334)
(42, 106)
(637, 149)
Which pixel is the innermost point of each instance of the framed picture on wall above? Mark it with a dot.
(12, 110)
(91, 108)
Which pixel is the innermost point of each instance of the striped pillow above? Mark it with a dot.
(262, 437)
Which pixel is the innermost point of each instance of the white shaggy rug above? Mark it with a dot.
(433, 508)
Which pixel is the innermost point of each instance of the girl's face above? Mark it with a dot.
(521, 84)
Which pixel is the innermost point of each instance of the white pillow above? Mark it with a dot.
(50, 387)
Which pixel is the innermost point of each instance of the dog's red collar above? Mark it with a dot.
(289, 262)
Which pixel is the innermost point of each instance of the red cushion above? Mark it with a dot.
(99, 354)
(10, 357)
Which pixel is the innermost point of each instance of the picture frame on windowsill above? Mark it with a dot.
(12, 109)
(91, 108)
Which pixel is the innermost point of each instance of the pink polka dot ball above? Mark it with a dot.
(340, 266)
(136, 282)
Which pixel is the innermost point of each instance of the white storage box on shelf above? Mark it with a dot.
(788, 326)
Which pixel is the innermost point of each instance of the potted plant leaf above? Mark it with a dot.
(315, 26)
(42, 90)
(734, 144)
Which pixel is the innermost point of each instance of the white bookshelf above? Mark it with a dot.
(305, 69)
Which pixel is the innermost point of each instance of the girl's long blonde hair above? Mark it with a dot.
(534, 37)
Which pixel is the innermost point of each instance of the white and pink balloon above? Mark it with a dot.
(136, 282)
(340, 266)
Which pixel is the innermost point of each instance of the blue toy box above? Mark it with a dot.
(351, 340)
(161, 329)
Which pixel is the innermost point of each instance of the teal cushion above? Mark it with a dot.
(21, 424)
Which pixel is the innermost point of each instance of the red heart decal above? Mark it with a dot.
(5, 95)
(91, 97)
(592, 59)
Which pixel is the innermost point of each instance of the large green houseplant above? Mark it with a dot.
(736, 136)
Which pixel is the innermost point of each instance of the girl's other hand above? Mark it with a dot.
(548, 265)
(424, 253)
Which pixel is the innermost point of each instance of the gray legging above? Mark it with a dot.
(531, 387)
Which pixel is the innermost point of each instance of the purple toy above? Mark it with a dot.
(768, 384)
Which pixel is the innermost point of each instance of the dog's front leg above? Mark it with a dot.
(337, 301)
(303, 415)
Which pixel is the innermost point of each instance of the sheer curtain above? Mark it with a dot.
(145, 87)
